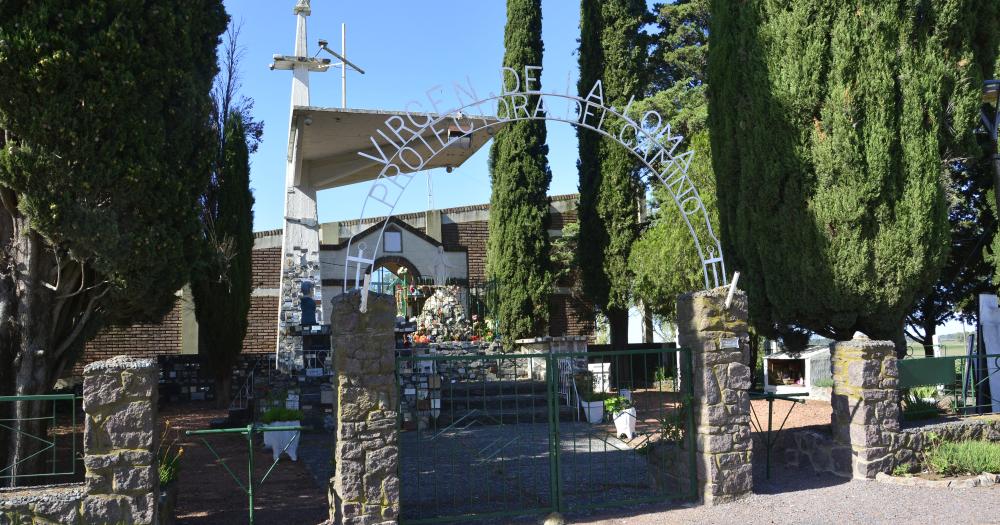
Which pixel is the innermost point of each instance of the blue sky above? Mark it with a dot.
(405, 49)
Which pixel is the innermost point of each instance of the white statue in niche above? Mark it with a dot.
(441, 267)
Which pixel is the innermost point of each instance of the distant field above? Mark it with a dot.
(951, 348)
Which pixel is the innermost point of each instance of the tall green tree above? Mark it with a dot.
(518, 248)
(664, 259)
(105, 146)
(831, 124)
(222, 285)
(967, 271)
(222, 301)
(613, 50)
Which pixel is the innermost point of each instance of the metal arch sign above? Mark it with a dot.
(650, 139)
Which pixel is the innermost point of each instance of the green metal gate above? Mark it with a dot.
(500, 435)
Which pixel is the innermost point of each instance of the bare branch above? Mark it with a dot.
(84, 319)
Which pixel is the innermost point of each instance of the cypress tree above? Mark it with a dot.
(831, 123)
(518, 248)
(612, 50)
(104, 150)
(223, 302)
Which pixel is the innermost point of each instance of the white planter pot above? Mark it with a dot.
(594, 410)
(625, 423)
(277, 440)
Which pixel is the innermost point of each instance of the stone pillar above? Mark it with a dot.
(719, 343)
(865, 406)
(119, 399)
(365, 486)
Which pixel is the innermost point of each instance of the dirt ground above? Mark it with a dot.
(208, 495)
(810, 413)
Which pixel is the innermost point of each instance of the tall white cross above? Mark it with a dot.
(300, 63)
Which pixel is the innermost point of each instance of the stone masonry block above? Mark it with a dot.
(721, 383)
(132, 426)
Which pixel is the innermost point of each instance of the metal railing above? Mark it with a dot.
(952, 385)
(50, 445)
(248, 431)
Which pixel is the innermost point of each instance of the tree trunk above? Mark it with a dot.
(899, 338)
(223, 382)
(647, 324)
(930, 328)
(754, 348)
(33, 350)
(618, 323)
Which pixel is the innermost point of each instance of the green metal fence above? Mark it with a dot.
(53, 448)
(248, 431)
(493, 436)
(958, 385)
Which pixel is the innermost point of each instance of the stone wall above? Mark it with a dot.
(719, 341)
(865, 437)
(815, 449)
(865, 404)
(907, 444)
(365, 486)
(122, 485)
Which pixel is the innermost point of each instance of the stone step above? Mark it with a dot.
(505, 416)
(494, 387)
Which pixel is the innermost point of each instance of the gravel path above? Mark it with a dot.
(800, 496)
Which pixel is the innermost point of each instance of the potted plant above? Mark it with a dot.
(623, 414)
(278, 440)
(168, 467)
(591, 402)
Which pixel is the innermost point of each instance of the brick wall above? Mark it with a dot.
(262, 328)
(471, 235)
(570, 316)
(266, 265)
(138, 340)
(559, 220)
(145, 340)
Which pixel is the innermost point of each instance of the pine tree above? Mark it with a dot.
(612, 50)
(831, 124)
(518, 248)
(664, 259)
(222, 302)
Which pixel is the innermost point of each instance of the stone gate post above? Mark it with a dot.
(365, 486)
(119, 399)
(718, 339)
(865, 406)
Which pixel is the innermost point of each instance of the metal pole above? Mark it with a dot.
(250, 469)
(343, 65)
(770, 410)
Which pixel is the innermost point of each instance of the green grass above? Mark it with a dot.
(949, 348)
(964, 457)
(826, 382)
(915, 408)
